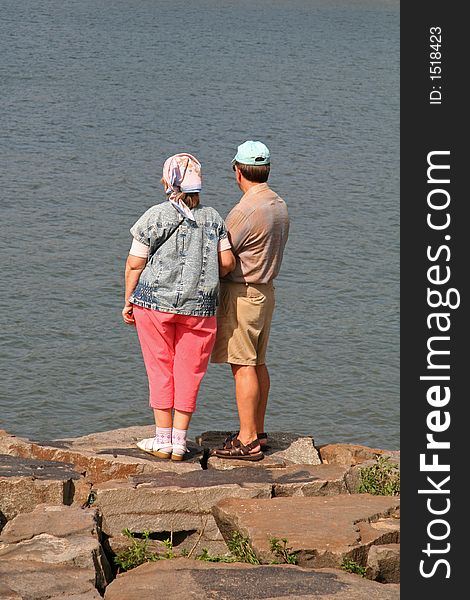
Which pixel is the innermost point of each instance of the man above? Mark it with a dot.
(258, 228)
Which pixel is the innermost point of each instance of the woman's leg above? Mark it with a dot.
(156, 335)
(194, 340)
(156, 331)
(163, 417)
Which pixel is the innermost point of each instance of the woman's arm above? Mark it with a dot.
(226, 262)
(134, 267)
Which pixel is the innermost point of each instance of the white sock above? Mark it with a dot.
(178, 438)
(163, 437)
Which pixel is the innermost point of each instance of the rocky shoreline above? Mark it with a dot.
(65, 503)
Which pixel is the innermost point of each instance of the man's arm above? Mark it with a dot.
(236, 223)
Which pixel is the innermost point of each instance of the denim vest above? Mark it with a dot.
(182, 273)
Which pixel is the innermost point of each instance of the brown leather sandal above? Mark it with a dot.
(262, 437)
(238, 450)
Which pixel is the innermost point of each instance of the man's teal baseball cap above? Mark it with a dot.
(252, 153)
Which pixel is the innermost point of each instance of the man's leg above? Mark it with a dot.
(247, 392)
(263, 385)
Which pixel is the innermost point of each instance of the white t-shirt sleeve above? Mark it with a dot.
(139, 249)
(224, 244)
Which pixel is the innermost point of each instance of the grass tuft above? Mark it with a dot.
(381, 478)
(282, 551)
(351, 566)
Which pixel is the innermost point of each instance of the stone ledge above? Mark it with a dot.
(27, 482)
(383, 563)
(165, 505)
(167, 497)
(47, 581)
(283, 449)
(57, 535)
(200, 580)
(325, 530)
(353, 454)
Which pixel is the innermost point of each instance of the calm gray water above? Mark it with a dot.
(95, 94)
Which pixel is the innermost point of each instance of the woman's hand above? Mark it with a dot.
(128, 314)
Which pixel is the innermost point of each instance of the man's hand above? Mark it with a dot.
(128, 314)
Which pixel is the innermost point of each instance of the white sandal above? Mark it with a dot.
(180, 452)
(151, 446)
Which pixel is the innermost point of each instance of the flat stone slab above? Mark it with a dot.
(283, 449)
(353, 454)
(169, 502)
(60, 521)
(354, 476)
(325, 530)
(310, 480)
(200, 580)
(102, 456)
(58, 535)
(383, 563)
(27, 482)
(15, 466)
(121, 443)
(6, 593)
(291, 480)
(172, 502)
(31, 580)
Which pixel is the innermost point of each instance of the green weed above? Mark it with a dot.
(137, 553)
(168, 543)
(282, 551)
(214, 558)
(381, 478)
(351, 566)
(240, 547)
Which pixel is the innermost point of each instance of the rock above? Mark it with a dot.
(58, 521)
(40, 581)
(91, 595)
(120, 444)
(6, 593)
(65, 535)
(11, 444)
(352, 454)
(181, 579)
(353, 476)
(27, 482)
(76, 550)
(170, 502)
(326, 529)
(309, 480)
(102, 456)
(383, 563)
(44, 485)
(182, 541)
(283, 449)
(268, 462)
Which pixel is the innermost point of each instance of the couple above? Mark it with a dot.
(179, 251)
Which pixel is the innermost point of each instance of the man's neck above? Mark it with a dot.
(246, 185)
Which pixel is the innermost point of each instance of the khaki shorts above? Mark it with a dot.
(243, 323)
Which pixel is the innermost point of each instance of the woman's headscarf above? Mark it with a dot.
(182, 173)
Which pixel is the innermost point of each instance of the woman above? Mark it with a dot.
(179, 251)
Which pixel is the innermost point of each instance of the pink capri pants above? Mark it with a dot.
(176, 351)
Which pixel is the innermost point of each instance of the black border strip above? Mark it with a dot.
(436, 570)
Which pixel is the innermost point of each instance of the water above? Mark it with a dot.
(95, 95)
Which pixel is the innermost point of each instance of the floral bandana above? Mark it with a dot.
(182, 173)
